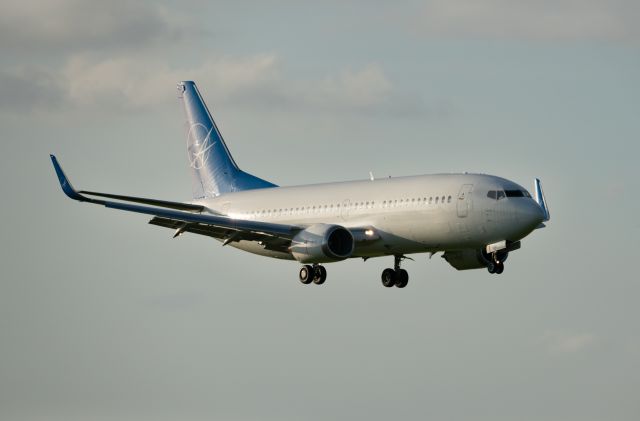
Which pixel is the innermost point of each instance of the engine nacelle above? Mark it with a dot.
(471, 259)
(322, 243)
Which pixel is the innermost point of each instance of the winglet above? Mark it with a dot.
(67, 188)
(539, 197)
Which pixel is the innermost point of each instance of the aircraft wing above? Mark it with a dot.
(186, 217)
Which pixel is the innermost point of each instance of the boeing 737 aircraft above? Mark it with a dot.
(476, 220)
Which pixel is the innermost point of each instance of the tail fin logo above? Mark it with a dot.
(200, 144)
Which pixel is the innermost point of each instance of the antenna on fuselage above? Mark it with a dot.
(371, 176)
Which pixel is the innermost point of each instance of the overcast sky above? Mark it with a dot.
(105, 317)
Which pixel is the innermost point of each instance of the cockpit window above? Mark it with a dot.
(517, 193)
(496, 194)
(501, 194)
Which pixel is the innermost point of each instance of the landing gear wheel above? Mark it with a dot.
(320, 275)
(491, 267)
(499, 268)
(396, 276)
(388, 277)
(306, 274)
(402, 278)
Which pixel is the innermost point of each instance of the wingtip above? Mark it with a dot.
(65, 184)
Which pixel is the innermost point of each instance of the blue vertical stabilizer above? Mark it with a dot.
(214, 170)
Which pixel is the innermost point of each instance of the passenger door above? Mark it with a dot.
(464, 200)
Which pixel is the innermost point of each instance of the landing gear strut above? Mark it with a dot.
(316, 274)
(396, 276)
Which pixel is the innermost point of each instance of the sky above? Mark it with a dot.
(105, 317)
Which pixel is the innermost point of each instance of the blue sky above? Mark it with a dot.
(106, 317)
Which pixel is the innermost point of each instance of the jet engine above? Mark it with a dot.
(322, 243)
(472, 259)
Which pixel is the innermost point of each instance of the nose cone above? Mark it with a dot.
(530, 215)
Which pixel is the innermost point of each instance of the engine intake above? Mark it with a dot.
(322, 243)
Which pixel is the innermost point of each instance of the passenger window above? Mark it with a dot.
(437, 200)
(449, 199)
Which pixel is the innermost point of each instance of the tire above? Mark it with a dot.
(491, 267)
(306, 274)
(388, 277)
(320, 275)
(499, 268)
(403, 278)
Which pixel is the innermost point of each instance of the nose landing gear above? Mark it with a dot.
(396, 276)
(495, 265)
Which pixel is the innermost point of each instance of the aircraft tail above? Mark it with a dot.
(214, 170)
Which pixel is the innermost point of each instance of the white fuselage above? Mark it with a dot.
(415, 214)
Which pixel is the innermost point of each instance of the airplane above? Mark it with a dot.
(475, 220)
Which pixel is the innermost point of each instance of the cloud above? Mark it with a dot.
(68, 25)
(24, 89)
(549, 20)
(137, 82)
(361, 88)
(567, 343)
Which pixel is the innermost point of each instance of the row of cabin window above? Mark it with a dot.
(356, 205)
(419, 200)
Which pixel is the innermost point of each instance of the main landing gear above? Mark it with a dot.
(313, 273)
(495, 265)
(396, 276)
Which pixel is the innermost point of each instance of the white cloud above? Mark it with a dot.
(67, 25)
(567, 343)
(366, 87)
(23, 89)
(532, 20)
(136, 82)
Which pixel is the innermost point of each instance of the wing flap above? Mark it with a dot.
(268, 241)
